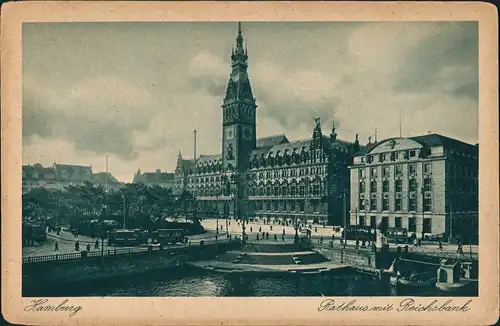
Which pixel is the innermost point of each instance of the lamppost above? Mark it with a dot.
(104, 211)
(357, 221)
(344, 196)
(217, 218)
(423, 210)
(367, 207)
(124, 207)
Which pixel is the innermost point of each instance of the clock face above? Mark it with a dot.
(247, 133)
(230, 132)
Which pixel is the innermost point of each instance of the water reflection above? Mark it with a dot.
(190, 282)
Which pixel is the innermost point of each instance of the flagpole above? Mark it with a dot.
(195, 208)
(106, 187)
(400, 122)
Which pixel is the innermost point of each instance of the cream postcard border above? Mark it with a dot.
(264, 311)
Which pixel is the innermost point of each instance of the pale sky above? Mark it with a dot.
(138, 90)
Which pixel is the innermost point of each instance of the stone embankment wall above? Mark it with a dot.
(353, 257)
(94, 268)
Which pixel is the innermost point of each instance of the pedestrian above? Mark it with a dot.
(260, 228)
(321, 240)
(315, 229)
(440, 244)
(88, 246)
(267, 235)
(96, 246)
(77, 246)
(275, 238)
(333, 237)
(250, 229)
(271, 227)
(283, 231)
(357, 244)
(229, 223)
(257, 237)
(283, 237)
(56, 246)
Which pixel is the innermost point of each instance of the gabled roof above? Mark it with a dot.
(100, 177)
(433, 140)
(208, 158)
(271, 140)
(41, 172)
(154, 177)
(298, 146)
(430, 140)
(73, 169)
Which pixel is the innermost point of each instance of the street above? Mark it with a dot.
(252, 229)
(66, 240)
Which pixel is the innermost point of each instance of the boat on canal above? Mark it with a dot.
(422, 280)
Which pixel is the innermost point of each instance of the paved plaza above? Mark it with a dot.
(66, 240)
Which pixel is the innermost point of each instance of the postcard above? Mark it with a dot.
(249, 163)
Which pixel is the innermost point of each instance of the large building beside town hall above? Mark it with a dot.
(269, 177)
(426, 184)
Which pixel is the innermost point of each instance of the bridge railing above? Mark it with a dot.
(118, 251)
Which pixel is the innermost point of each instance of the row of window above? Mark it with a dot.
(304, 157)
(398, 170)
(412, 223)
(398, 185)
(283, 191)
(290, 172)
(372, 204)
(266, 205)
(393, 156)
(319, 170)
(281, 205)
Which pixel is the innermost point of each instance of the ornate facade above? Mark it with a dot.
(270, 177)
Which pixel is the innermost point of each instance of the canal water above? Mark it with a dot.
(193, 282)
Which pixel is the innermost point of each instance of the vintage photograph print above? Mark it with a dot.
(333, 160)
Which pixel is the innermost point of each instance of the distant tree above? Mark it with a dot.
(186, 202)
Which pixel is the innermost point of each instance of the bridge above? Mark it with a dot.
(112, 252)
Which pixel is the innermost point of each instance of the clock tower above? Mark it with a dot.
(238, 113)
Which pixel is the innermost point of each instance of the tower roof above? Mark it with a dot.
(238, 86)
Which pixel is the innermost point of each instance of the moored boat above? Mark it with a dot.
(417, 282)
(463, 285)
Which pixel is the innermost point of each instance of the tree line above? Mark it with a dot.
(140, 205)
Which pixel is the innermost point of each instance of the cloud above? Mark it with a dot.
(95, 114)
(445, 61)
(138, 90)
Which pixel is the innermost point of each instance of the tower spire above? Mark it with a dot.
(333, 135)
(239, 40)
(238, 87)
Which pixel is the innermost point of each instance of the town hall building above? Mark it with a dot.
(267, 178)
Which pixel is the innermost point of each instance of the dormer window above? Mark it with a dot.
(412, 153)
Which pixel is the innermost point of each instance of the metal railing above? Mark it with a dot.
(119, 251)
